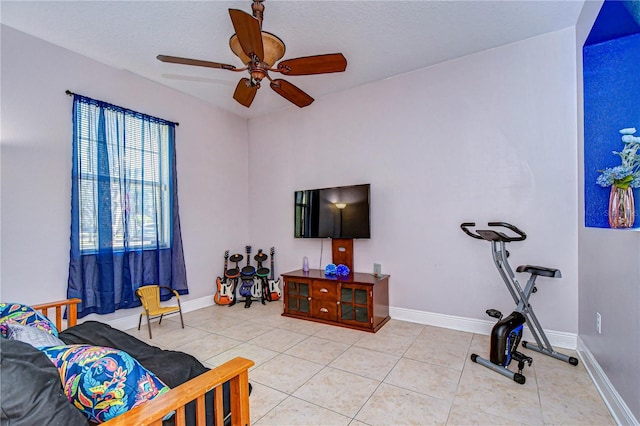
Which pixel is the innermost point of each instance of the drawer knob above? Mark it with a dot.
(324, 290)
(324, 310)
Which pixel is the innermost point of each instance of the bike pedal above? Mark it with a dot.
(494, 313)
(520, 357)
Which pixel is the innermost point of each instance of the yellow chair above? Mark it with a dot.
(149, 296)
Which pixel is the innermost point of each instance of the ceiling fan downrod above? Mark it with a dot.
(258, 10)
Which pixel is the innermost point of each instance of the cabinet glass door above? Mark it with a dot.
(354, 304)
(297, 297)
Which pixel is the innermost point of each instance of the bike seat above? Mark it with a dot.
(540, 270)
(491, 235)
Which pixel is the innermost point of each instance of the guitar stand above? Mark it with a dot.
(507, 332)
(266, 294)
(248, 281)
(232, 275)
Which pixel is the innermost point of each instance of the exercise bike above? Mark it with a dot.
(507, 333)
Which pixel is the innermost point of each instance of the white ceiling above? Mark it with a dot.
(380, 39)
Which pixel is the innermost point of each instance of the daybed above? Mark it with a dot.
(32, 391)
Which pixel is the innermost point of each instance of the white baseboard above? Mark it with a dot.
(131, 321)
(619, 410)
(471, 325)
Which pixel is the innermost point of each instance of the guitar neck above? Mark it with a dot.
(272, 277)
(272, 264)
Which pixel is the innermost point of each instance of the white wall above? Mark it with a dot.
(487, 137)
(212, 151)
(490, 136)
(609, 278)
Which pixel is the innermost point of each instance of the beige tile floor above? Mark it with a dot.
(307, 373)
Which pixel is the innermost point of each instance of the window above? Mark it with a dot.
(131, 171)
(125, 227)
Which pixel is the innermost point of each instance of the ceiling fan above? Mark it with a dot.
(259, 51)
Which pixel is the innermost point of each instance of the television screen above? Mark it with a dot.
(339, 212)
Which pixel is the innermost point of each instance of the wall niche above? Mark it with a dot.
(611, 100)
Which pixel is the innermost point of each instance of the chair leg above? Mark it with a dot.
(139, 321)
(149, 325)
(160, 322)
(180, 311)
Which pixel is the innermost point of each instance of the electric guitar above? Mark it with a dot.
(224, 294)
(274, 286)
(247, 276)
(256, 291)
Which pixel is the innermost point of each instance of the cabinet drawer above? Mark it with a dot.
(324, 290)
(324, 309)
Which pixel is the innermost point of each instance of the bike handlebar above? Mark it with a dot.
(465, 227)
(494, 234)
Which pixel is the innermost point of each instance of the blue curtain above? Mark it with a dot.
(125, 224)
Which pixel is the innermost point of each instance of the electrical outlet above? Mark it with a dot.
(598, 323)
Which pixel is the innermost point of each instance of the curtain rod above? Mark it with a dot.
(70, 93)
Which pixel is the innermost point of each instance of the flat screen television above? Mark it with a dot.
(338, 212)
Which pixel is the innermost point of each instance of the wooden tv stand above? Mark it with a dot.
(359, 301)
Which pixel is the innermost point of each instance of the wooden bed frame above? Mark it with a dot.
(152, 412)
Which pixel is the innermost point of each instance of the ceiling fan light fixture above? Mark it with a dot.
(274, 49)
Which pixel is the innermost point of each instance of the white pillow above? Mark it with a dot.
(32, 335)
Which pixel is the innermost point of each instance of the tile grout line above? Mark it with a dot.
(269, 319)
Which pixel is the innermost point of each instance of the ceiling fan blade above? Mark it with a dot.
(291, 92)
(196, 62)
(245, 92)
(248, 31)
(318, 64)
